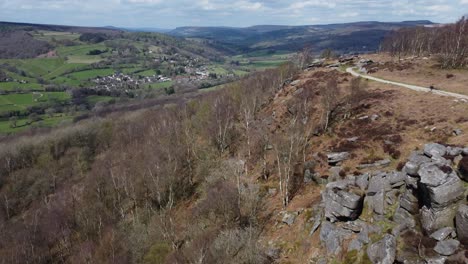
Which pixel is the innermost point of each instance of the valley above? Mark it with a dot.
(76, 74)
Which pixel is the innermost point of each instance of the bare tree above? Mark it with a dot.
(330, 97)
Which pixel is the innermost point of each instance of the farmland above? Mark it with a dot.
(63, 81)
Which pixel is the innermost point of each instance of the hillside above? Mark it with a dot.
(344, 38)
(286, 165)
(139, 147)
(51, 74)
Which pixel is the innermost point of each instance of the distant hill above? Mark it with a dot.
(345, 37)
(8, 26)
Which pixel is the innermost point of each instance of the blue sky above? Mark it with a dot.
(238, 13)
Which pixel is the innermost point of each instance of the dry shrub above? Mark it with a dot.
(392, 151)
(221, 203)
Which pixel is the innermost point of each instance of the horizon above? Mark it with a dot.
(233, 27)
(215, 13)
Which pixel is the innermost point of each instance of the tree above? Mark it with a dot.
(50, 112)
(328, 54)
(13, 121)
(33, 117)
(330, 97)
(305, 57)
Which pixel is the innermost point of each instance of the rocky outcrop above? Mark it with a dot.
(434, 150)
(427, 192)
(440, 192)
(383, 251)
(342, 202)
(443, 233)
(447, 247)
(332, 236)
(337, 157)
(462, 223)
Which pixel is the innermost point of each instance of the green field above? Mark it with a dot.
(71, 67)
(19, 102)
(23, 123)
(89, 74)
(12, 86)
(93, 99)
(53, 35)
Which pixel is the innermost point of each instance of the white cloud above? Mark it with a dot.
(249, 6)
(171, 13)
(312, 3)
(439, 8)
(152, 2)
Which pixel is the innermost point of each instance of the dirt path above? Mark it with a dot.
(408, 86)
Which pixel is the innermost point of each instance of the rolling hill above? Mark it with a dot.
(344, 38)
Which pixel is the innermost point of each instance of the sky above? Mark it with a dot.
(237, 13)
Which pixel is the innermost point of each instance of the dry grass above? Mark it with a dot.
(422, 72)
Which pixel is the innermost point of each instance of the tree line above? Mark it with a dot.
(449, 43)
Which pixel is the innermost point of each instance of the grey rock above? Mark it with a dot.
(454, 151)
(273, 252)
(334, 174)
(441, 161)
(353, 139)
(376, 202)
(434, 149)
(434, 219)
(362, 181)
(363, 236)
(299, 91)
(380, 163)
(457, 132)
(391, 197)
(445, 193)
(415, 160)
(396, 179)
(289, 218)
(308, 176)
(333, 237)
(378, 183)
(403, 217)
(355, 226)
(398, 229)
(355, 244)
(447, 247)
(374, 117)
(409, 202)
(431, 175)
(443, 233)
(383, 251)
(436, 260)
(412, 182)
(296, 82)
(340, 202)
(334, 158)
(316, 225)
(461, 220)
